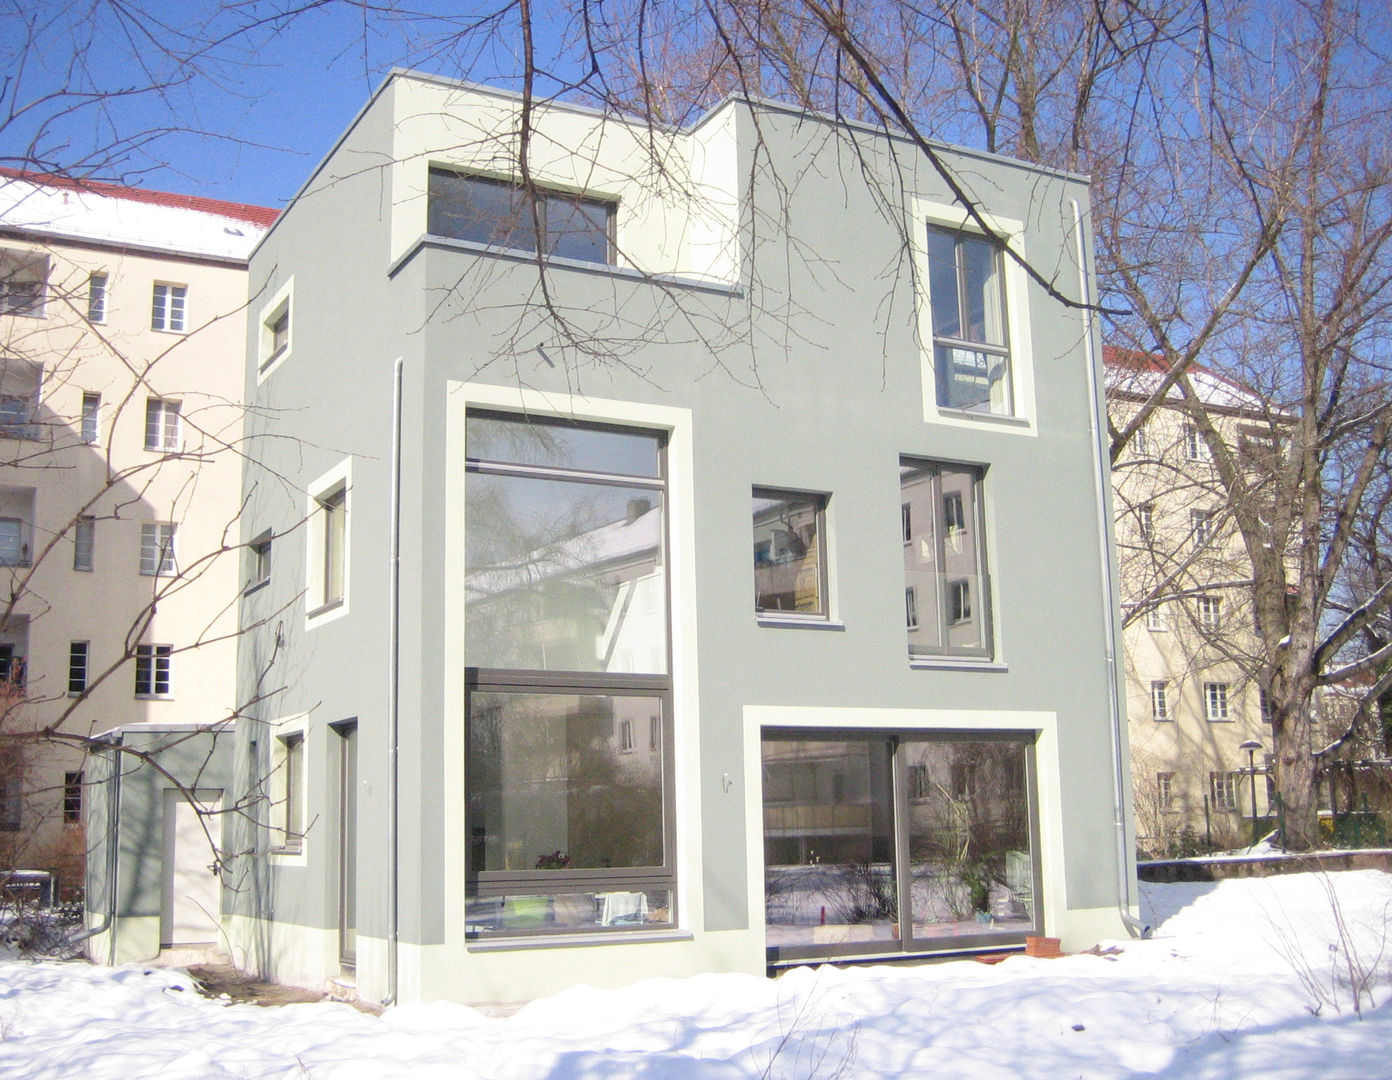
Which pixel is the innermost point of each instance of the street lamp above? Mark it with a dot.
(1252, 746)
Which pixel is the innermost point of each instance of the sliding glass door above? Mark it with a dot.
(897, 842)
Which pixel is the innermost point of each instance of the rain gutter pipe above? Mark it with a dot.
(394, 694)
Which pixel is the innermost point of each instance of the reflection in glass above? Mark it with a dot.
(971, 867)
(551, 787)
(788, 570)
(521, 440)
(828, 842)
(542, 911)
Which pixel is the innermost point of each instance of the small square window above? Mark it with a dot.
(163, 426)
(790, 571)
(14, 542)
(77, 666)
(1216, 701)
(96, 298)
(157, 556)
(1160, 700)
(12, 668)
(152, 663)
(23, 283)
(84, 542)
(168, 310)
(91, 418)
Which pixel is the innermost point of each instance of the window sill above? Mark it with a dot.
(288, 852)
(256, 586)
(972, 416)
(324, 609)
(154, 697)
(571, 941)
(791, 622)
(955, 663)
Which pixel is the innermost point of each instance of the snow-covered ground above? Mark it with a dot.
(1244, 978)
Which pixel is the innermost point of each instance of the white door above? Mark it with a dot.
(192, 891)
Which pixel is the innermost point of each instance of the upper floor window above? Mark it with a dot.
(1201, 523)
(1215, 700)
(168, 307)
(1140, 441)
(1145, 520)
(162, 425)
(789, 553)
(157, 548)
(152, 670)
(971, 350)
(259, 561)
(945, 578)
(502, 214)
(23, 283)
(1195, 446)
(1210, 612)
(96, 298)
(333, 518)
(91, 418)
(1159, 699)
(84, 542)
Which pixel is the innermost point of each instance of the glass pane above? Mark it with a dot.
(553, 787)
(946, 589)
(828, 842)
(981, 273)
(968, 379)
(971, 864)
(787, 553)
(564, 576)
(942, 284)
(480, 210)
(622, 909)
(578, 228)
(519, 441)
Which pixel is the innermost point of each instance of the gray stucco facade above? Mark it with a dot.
(764, 313)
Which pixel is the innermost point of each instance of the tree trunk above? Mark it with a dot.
(1296, 778)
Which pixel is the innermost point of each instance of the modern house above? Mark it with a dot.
(691, 552)
(121, 323)
(1194, 704)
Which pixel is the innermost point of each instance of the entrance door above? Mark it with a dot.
(897, 841)
(192, 890)
(347, 844)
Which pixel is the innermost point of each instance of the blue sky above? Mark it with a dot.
(247, 118)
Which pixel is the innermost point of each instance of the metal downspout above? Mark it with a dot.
(1102, 477)
(113, 846)
(394, 692)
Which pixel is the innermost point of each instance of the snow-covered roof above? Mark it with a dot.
(1138, 374)
(56, 207)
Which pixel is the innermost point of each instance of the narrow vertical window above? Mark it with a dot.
(290, 775)
(966, 291)
(167, 308)
(1223, 790)
(91, 418)
(77, 666)
(1164, 790)
(1201, 524)
(259, 561)
(1210, 608)
(84, 542)
(333, 508)
(1159, 699)
(96, 298)
(1145, 521)
(72, 798)
(157, 556)
(1216, 700)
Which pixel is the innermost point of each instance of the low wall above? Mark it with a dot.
(1217, 868)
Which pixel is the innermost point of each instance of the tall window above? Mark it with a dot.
(1216, 700)
(971, 353)
(1145, 520)
(77, 666)
(841, 848)
(152, 670)
(84, 542)
(96, 298)
(566, 644)
(501, 214)
(946, 586)
(1195, 447)
(167, 307)
(1155, 619)
(259, 561)
(162, 425)
(333, 511)
(91, 418)
(789, 554)
(1201, 524)
(1210, 612)
(1222, 789)
(1164, 790)
(72, 798)
(1140, 442)
(157, 548)
(1159, 699)
(290, 796)
(14, 542)
(1268, 714)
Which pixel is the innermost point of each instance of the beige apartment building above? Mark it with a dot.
(1189, 636)
(121, 340)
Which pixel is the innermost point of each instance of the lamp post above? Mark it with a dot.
(1252, 746)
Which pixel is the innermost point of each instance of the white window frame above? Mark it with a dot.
(1155, 620)
(1222, 790)
(91, 417)
(1195, 448)
(269, 357)
(926, 213)
(169, 307)
(160, 658)
(1145, 521)
(1210, 610)
(1201, 527)
(1160, 700)
(1217, 709)
(164, 425)
(287, 778)
(84, 543)
(1164, 790)
(322, 608)
(158, 550)
(98, 282)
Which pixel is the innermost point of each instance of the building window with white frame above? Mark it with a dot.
(1222, 789)
(1145, 520)
(567, 638)
(168, 307)
(96, 298)
(275, 334)
(1216, 701)
(1201, 527)
(163, 426)
(23, 283)
(77, 666)
(1210, 612)
(1140, 442)
(1160, 699)
(84, 542)
(1155, 619)
(971, 349)
(288, 796)
(333, 533)
(1195, 446)
(152, 670)
(91, 417)
(157, 556)
(14, 542)
(945, 560)
(790, 565)
(1164, 790)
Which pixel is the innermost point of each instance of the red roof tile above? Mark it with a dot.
(261, 216)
